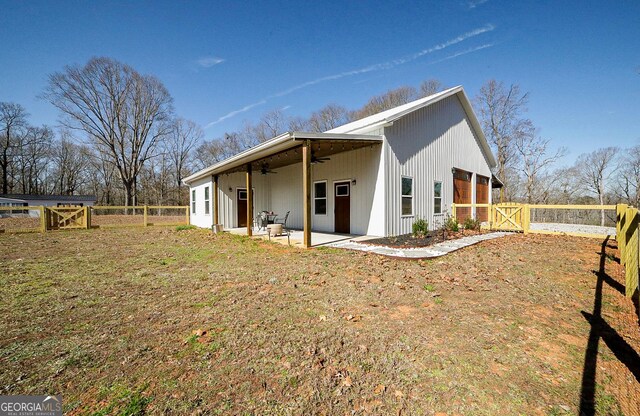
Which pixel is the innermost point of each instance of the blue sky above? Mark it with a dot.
(229, 62)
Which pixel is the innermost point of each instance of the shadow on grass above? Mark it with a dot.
(600, 329)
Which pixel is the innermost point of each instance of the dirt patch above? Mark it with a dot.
(134, 320)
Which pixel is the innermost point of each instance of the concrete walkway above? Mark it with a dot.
(435, 250)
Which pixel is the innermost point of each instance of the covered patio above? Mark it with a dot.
(259, 167)
(296, 238)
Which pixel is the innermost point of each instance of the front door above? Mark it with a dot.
(482, 197)
(242, 207)
(342, 210)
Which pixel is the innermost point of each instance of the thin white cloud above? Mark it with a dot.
(209, 61)
(472, 4)
(455, 55)
(235, 113)
(371, 68)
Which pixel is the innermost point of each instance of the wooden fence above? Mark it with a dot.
(627, 236)
(40, 219)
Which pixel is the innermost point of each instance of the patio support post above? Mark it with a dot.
(306, 190)
(215, 200)
(249, 202)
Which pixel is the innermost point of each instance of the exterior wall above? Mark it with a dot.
(426, 145)
(367, 195)
(228, 184)
(199, 218)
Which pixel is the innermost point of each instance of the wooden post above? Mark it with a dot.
(87, 218)
(43, 220)
(249, 202)
(526, 219)
(622, 237)
(145, 215)
(187, 214)
(631, 252)
(215, 200)
(453, 210)
(306, 191)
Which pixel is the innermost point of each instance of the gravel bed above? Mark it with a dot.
(573, 228)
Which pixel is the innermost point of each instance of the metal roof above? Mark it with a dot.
(29, 197)
(391, 115)
(278, 144)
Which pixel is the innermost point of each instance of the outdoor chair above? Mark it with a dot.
(282, 221)
(261, 221)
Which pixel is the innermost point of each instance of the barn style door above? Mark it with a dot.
(462, 193)
(482, 197)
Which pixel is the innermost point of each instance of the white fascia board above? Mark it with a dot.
(278, 144)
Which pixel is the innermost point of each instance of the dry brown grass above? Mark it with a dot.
(155, 320)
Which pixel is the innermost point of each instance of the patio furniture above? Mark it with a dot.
(278, 230)
(261, 221)
(282, 221)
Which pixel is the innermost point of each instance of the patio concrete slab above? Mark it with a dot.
(436, 250)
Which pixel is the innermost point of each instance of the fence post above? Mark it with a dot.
(187, 214)
(43, 220)
(631, 252)
(453, 210)
(526, 219)
(145, 216)
(624, 227)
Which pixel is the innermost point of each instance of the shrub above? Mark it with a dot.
(471, 224)
(451, 224)
(420, 227)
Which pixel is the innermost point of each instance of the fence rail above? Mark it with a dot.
(40, 219)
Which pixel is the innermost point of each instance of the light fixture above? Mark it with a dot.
(353, 181)
(230, 189)
(453, 170)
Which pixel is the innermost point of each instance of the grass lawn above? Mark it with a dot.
(128, 321)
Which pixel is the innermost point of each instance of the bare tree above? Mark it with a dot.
(628, 178)
(390, 99)
(124, 113)
(536, 158)
(430, 87)
(184, 136)
(328, 117)
(594, 170)
(500, 110)
(70, 163)
(13, 121)
(32, 157)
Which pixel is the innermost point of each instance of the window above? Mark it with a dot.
(342, 190)
(193, 201)
(206, 200)
(242, 194)
(437, 197)
(407, 196)
(320, 198)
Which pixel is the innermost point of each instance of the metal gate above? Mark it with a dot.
(66, 218)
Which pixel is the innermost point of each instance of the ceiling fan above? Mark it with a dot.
(315, 159)
(265, 169)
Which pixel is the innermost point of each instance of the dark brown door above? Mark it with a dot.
(342, 210)
(462, 193)
(482, 197)
(242, 207)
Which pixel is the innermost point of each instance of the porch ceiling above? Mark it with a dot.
(320, 149)
(285, 150)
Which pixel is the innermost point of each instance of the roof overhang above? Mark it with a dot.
(280, 145)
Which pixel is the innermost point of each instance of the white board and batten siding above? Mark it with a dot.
(229, 184)
(363, 165)
(199, 218)
(425, 145)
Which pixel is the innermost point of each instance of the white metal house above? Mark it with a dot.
(374, 176)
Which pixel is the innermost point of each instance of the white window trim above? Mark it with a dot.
(193, 201)
(407, 196)
(441, 197)
(207, 202)
(326, 198)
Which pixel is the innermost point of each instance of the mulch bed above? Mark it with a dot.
(433, 237)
